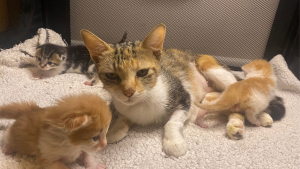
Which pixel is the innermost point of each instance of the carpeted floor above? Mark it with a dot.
(265, 148)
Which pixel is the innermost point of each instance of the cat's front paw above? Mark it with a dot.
(174, 148)
(235, 129)
(115, 135)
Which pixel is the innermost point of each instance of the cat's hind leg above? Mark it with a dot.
(209, 99)
(265, 119)
(173, 142)
(119, 130)
(235, 127)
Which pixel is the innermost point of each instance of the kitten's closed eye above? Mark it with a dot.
(49, 63)
(142, 72)
(111, 76)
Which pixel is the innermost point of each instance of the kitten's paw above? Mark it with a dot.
(37, 76)
(174, 148)
(235, 129)
(89, 83)
(265, 119)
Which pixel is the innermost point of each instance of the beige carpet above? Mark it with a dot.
(265, 148)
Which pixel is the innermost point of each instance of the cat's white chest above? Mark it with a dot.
(150, 110)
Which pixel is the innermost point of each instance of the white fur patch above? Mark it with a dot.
(221, 77)
(77, 70)
(91, 68)
(149, 110)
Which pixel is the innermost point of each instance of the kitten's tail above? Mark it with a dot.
(222, 104)
(15, 110)
(276, 108)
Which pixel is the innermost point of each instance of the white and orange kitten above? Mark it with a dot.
(250, 96)
(75, 127)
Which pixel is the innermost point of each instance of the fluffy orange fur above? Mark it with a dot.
(250, 96)
(206, 62)
(75, 126)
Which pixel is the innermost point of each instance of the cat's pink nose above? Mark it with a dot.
(129, 92)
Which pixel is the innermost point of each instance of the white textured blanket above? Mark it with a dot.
(275, 147)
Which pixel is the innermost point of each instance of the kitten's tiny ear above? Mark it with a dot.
(75, 122)
(155, 40)
(38, 50)
(247, 68)
(95, 45)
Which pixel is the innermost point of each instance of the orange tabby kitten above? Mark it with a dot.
(250, 96)
(74, 127)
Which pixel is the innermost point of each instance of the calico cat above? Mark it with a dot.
(149, 85)
(251, 96)
(75, 127)
(53, 60)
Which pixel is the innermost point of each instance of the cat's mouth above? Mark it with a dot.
(130, 101)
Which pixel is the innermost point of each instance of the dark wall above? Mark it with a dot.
(35, 14)
(284, 36)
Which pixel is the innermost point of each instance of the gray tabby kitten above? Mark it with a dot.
(54, 60)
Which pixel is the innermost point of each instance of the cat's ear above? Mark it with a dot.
(95, 45)
(75, 122)
(155, 39)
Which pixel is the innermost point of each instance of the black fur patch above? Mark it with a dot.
(179, 98)
(276, 108)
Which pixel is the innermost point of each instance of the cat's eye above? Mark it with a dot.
(95, 138)
(142, 72)
(111, 76)
(49, 63)
(39, 59)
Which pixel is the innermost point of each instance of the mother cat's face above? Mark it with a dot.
(127, 70)
(128, 73)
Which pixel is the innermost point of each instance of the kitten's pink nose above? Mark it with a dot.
(129, 92)
(103, 143)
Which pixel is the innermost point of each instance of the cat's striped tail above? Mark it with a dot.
(15, 110)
